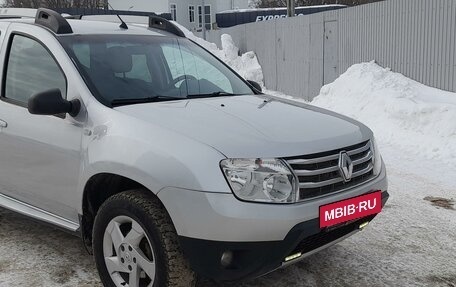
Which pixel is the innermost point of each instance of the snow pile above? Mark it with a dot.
(246, 65)
(401, 112)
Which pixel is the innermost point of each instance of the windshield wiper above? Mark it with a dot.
(132, 101)
(215, 94)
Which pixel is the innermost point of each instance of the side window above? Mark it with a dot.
(191, 13)
(31, 69)
(131, 62)
(173, 57)
(173, 11)
(208, 17)
(200, 17)
(182, 62)
(82, 52)
(139, 69)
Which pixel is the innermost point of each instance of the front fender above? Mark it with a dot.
(150, 155)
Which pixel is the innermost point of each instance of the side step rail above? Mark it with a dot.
(36, 213)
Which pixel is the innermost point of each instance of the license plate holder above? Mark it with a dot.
(350, 209)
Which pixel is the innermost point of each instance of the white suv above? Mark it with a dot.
(166, 162)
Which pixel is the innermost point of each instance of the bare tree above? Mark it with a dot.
(55, 3)
(22, 3)
(89, 3)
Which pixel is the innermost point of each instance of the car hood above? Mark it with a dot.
(253, 126)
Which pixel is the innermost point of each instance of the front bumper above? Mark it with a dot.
(253, 259)
(260, 236)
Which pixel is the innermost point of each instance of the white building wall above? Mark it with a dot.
(183, 14)
(157, 6)
(223, 5)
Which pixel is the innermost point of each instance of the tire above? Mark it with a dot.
(120, 248)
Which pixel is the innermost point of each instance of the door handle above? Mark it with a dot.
(3, 124)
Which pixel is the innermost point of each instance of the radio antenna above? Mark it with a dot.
(123, 25)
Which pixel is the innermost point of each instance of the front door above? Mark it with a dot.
(39, 155)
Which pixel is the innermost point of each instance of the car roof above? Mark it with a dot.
(95, 27)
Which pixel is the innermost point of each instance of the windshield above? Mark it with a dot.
(128, 69)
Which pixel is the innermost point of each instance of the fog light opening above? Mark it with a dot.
(227, 258)
(293, 257)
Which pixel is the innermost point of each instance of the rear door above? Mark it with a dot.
(39, 155)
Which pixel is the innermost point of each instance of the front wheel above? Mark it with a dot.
(135, 244)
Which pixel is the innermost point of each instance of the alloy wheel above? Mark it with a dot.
(128, 253)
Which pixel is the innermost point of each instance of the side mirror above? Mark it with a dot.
(256, 86)
(51, 103)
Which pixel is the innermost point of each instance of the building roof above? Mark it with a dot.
(281, 8)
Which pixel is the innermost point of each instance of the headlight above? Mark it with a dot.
(261, 180)
(377, 158)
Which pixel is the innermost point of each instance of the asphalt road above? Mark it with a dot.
(412, 243)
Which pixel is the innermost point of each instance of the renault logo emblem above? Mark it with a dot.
(345, 166)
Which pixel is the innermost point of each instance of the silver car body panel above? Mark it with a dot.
(244, 127)
(149, 154)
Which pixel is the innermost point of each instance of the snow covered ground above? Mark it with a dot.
(411, 243)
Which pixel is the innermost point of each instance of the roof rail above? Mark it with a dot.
(165, 25)
(53, 21)
(74, 17)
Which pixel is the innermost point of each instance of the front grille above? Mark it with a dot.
(325, 237)
(319, 174)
